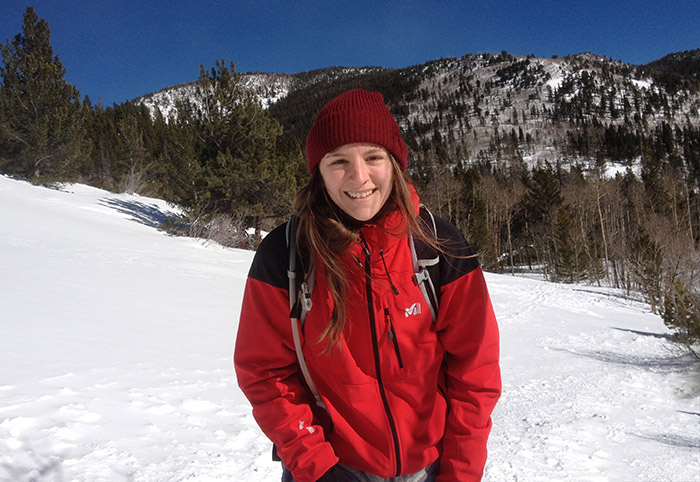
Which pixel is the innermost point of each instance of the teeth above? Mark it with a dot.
(360, 195)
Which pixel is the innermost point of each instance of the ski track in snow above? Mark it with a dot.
(116, 346)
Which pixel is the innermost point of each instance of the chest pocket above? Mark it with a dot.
(406, 334)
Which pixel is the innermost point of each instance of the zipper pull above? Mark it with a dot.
(365, 246)
(392, 337)
(387, 320)
(357, 260)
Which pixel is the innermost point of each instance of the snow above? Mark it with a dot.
(555, 82)
(642, 84)
(116, 346)
(613, 169)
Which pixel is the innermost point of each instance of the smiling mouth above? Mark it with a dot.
(360, 195)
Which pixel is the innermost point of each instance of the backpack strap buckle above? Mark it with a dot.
(306, 302)
(421, 275)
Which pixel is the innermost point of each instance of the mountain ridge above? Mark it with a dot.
(681, 56)
(498, 108)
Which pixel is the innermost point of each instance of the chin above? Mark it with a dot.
(364, 216)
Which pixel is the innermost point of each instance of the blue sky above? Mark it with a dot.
(116, 50)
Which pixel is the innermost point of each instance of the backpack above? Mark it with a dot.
(425, 260)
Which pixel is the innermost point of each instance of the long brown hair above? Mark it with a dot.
(325, 232)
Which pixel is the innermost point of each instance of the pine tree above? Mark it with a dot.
(543, 196)
(242, 169)
(647, 263)
(41, 133)
(542, 199)
(569, 258)
(176, 169)
(681, 313)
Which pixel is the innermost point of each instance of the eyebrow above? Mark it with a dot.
(372, 150)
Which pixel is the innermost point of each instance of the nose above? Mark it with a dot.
(359, 173)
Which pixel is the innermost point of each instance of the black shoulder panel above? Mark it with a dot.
(459, 258)
(272, 259)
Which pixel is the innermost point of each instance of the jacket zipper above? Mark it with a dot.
(375, 347)
(392, 336)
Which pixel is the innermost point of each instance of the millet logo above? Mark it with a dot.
(413, 310)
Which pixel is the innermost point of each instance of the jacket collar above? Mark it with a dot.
(388, 230)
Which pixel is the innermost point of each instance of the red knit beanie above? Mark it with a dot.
(356, 116)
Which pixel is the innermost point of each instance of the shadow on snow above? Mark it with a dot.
(140, 212)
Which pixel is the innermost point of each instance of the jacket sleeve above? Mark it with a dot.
(267, 370)
(468, 332)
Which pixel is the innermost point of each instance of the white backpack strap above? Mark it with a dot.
(302, 362)
(422, 274)
(432, 219)
(306, 289)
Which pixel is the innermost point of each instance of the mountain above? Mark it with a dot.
(680, 70)
(498, 106)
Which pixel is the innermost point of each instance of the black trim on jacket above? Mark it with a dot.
(272, 258)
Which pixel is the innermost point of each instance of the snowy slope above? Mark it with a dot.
(116, 343)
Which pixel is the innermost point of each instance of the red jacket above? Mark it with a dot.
(394, 406)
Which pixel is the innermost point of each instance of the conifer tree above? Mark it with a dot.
(242, 169)
(681, 313)
(543, 196)
(647, 265)
(41, 133)
(540, 204)
(569, 257)
(176, 169)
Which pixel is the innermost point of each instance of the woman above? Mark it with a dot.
(405, 397)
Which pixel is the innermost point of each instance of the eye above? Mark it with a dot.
(339, 161)
(375, 157)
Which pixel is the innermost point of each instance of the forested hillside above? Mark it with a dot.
(582, 168)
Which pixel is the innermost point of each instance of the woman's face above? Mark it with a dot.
(358, 178)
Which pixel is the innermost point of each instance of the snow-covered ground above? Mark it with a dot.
(116, 348)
